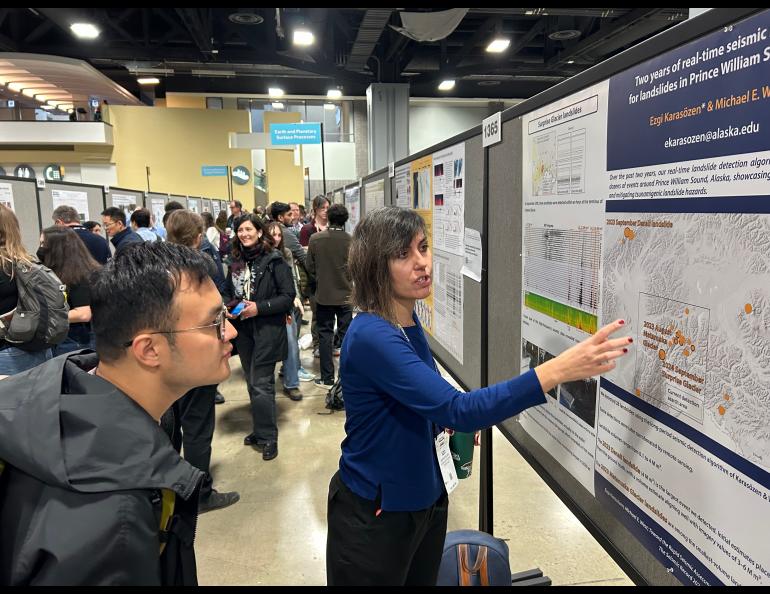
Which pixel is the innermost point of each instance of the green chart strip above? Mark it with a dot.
(564, 313)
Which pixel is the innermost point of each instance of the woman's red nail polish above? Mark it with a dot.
(621, 322)
(630, 340)
(625, 350)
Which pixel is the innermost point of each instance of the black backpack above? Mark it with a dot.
(334, 400)
(40, 319)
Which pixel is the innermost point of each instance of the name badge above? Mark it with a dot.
(445, 462)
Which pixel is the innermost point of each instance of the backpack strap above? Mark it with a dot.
(465, 571)
(168, 498)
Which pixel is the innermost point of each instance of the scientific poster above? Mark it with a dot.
(676, 244)
(158, 208)
(403, 186)
(564, 185)
(76, 199)
(449, 199)
(447, 304)
(193, 204)
(353, 204)
(420, 194)
(126, 203)
(374, 195)
(683, 450)
(6, 195)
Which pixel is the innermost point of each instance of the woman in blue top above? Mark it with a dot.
(387, 507)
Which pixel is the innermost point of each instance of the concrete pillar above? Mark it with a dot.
(387, 107)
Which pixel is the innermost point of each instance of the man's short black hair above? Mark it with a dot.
(173, 205)
(277, 209)
(136, 288)
(338, 215)
(91, 224)
(115, 214)
(141, 217)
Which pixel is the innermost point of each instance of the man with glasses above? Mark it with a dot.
(114, 223)
(236, 210)
(81, 495)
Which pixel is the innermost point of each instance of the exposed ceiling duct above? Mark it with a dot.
(369, 32)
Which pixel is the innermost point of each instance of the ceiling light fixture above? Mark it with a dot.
(84, 30)
(148, 80)
(277, 105)
(447, 85)
(329, 106)
(334, 94)
(303, 37)
(275, 92)
(498, 45)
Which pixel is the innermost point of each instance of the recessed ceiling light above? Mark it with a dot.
(84, 30)
(275, 92)
(447, 85)
(303, 37)
(498, 45)
(570, 61)
(334, 94)
(148, 80)
(329, 106)
(277, 105)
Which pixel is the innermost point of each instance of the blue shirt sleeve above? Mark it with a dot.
(401, 374)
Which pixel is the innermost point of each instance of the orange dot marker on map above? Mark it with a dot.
(748, 308)
(662, 355)
(638, 392)
(681, 340)
(686, 353)
(628, 233)
(721, 410)
(687, 311)
(727, 397)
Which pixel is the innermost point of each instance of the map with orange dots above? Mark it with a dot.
(694, 289)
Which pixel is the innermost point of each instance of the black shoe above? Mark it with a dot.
(293, 393)
(250, 440)
(270, 451)
(322, 384)
(219, 399)
(218, 500)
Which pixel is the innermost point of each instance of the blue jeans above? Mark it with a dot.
(291, 365)
(69, 345)
(13, 360)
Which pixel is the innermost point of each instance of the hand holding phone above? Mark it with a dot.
(236, 311)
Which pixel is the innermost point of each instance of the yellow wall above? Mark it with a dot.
(175, 143)
(185, 101)
(285, 181)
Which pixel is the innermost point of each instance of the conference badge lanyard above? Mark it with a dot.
(443, 453)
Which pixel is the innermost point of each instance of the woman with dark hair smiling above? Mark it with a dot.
(387, 505)
(63, 252)
(260, 278)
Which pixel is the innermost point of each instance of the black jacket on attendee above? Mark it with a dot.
(80, 493)
(96, 244)
(124, 238)
(272, 289)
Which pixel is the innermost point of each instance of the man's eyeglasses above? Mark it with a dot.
(219, 323)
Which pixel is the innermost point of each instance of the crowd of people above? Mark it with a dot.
(92, 483)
